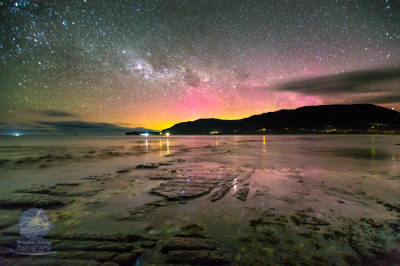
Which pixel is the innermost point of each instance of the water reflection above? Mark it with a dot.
(160, 148)
(264, 144)
(167, 147)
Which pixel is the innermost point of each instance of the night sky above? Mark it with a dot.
(117, 65)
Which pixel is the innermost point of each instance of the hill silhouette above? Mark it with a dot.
(355, 118)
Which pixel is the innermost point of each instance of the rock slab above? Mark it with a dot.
(185, 243)
(198, 257)
(13, 200)
(242, 194)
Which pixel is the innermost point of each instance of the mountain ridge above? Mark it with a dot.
(353, 118)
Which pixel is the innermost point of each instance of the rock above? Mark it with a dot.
(95, 202)
(192, 228)
(137, 251)
(102, 177)
(125, 259)
(306, 219)
(165, 163)
(183, 243)
(8, 221)
(32, 261)
(218, 258)
(147, 208)
(391, 207)
(71, 184)
(147, 165)
(100, 256)
(110, 264)
(62, 190)
(222, 191)
(242, 194)
(198, 257)
(225, 186)
(182, 202)
(191, 235)
(178, 160)
(118, 237)
(68, 245)
(246, 184)
(148, 244)
(122, 171)
(15, 200)
(175, 191)
(184, 256)
(191, 231)
(194, 180)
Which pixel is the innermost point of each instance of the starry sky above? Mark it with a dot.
(117, 65)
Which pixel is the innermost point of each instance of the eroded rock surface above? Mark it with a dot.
(147, 208)
(80, 249)
(185, 243)
(192, 230)
(242, 194)
(304, 217)
(190, 181)
(63, 189)
(225, 186)
(147, 165)
(198, 257)
(196, 249)
(30, 200)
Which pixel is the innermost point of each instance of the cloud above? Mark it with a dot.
(350, 82)
(54, 113)
(89, 126)
(68, 128)
(381, 99)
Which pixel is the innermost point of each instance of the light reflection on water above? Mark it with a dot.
(297, 150)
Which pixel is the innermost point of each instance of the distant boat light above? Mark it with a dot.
(167, 134)
(144, 134)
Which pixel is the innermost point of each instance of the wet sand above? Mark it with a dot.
(237, 200)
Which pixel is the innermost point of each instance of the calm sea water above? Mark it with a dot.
(72, 157)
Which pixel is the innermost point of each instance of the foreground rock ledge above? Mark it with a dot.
(15, 200)
(185, 243)
(62, 189)
(199, 257)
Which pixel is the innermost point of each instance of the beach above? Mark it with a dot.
(210, 200)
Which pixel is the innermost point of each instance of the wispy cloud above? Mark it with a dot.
(68, 128)
(350, 82)
(54, 113)
(381, 99)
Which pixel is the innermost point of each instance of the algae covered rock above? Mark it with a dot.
(242, 194)
(199, 257)
(125, 259)
(185, 243)
(30, 200)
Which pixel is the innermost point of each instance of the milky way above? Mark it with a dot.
(155, 63)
